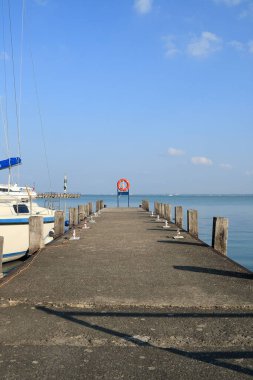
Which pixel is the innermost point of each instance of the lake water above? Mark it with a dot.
(237, 208)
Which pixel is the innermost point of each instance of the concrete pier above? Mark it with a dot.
(127, 301)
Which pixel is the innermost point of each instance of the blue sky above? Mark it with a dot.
(159, 92)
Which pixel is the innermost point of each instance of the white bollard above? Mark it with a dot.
(178, 235)
(74, 237)
(166, 225)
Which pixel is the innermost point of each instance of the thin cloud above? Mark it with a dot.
(4, 56)
(201, 161)
(226, 166)
(175, 152)
(170, 47)
(249, 173)
(143, 6)
(237, 45)
(41, 2)
(204, 45)
(250, 46)
(229, 3)
(247, 12)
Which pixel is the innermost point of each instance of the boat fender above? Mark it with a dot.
(51, 233)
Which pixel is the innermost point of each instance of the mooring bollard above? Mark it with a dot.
(58, 223)
(179, 216)
(220, 234)
(36, 236)
(1, 256)
(192, 223)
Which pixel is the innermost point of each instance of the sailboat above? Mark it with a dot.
(17, 203)
(16, 206)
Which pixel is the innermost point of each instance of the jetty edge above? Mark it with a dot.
(127, 300)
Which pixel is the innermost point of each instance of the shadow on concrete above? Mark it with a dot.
(183, 242)
(218, 272)
(219, 358)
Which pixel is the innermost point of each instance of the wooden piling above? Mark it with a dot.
(145, 205)
(1, 256)
(97, 206)
(86, 210)
(159, 205)
(75, 216)
(80, 213)
(192, 223)
(71, 217)
(58, 223)
(220, 234)
(167, 212)
(101, 205)
(179, 216)
(36, 236)
(90, 208)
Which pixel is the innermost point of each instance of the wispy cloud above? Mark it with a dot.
(4, 56)
(204, 45)
(242, 46)
(201, 161)
(175, 152)
(41, 2)
(143, 6)
(229, 3)
(248, 11)
(250, 46)
(237, 45)
(249, 173)
(226, 166)
(170, 47)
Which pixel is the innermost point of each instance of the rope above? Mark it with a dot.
(7, 279)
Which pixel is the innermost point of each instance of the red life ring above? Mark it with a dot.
(123, 184)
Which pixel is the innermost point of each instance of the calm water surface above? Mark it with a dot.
(238, 209)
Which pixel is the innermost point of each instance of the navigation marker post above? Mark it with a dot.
(65, 191)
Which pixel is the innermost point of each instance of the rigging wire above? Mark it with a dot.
(14, 80)
(21, 63)
(5, 117)
(40, 119)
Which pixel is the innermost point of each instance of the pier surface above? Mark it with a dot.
(127, 301)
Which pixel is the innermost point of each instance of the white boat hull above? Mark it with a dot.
(15, 230)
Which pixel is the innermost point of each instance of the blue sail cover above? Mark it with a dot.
(9, 162)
